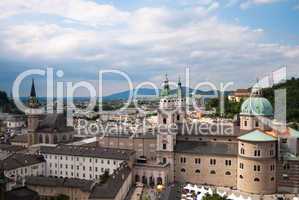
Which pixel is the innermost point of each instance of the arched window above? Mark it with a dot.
(256, 180)
(40, 139)
(164, 121)
(159, 181)
(47, 139)
(137, 178)
(213, 172)
(55, 140)
(257, 152)
(227, 173)
(178, 117)
(242, 151)
(241, 177)
(183, 170)
(197, 171)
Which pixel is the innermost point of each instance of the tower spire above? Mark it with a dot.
(32, 91)
(33, 103)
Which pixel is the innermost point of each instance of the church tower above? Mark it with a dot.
(171, 112)
(32, 116)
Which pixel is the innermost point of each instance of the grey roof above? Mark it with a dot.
(83, 185)
(206, 148)
(109, 189)
(11, 148)
(206, 129)
(54, 123)
(146, 135)
(20, 160)
(86, 151)
(22, 193)
(14, 117)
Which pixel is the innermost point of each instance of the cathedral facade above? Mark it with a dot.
(254, 159)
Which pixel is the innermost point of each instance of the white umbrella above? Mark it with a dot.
(232, 196)
(210, 191)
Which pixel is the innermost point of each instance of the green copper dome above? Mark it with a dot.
(257, 106)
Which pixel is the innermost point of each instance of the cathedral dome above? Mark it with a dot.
(257, 106)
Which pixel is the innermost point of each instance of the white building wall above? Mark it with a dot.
(30, 170)
(88, 168)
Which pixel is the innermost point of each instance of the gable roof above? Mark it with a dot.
(20, 160)
(83, 185)
(86, 151)
(210, 148)
(257, 136)
(54, 123)
(111, 188)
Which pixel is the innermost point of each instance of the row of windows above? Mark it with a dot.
(77, 159)
(78, 167)
(256, 123)
(212, 161)
(172, 100)
(257, 179)
(214, 139)
(258, 167)
(77, 174)
(256, 153)
(211, 172)
(25, 171)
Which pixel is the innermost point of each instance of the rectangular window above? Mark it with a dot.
(197, 160)
(164, 146)
(228, 162)
(183, 160)
(257, 153)
(257, 168)
(212, 161)
(241, 166)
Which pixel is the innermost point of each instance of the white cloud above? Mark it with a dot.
(249, 3)
(144, 41)
(78, 10)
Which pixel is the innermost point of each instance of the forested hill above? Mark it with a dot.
(4, 101)
(292, 90)
(6, 104)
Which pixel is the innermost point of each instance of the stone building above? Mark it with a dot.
(246, 156)
(116, 187)
(45, 128)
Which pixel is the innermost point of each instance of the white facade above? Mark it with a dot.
(89, 168)
(30, 170)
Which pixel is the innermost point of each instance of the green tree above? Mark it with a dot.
(214, 196)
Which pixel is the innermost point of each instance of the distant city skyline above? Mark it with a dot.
(220, 41)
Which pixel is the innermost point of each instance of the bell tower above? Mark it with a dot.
(32, 116)
(170, 113)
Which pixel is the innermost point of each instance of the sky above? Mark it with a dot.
(223, 41)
